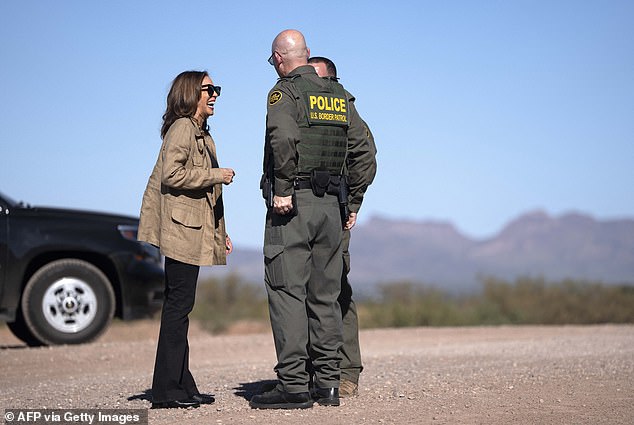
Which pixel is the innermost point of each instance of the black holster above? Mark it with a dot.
(323, 182)
(342, 196)
(267, 190)
(319, 182)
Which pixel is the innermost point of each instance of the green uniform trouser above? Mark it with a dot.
(350, 351)
(303, 268)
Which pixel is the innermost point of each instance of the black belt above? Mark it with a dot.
(303, 184)
(306, 184)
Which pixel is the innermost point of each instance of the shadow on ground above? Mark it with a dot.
(247, 390)
(145, 395)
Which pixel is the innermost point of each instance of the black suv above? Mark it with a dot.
(65, 274)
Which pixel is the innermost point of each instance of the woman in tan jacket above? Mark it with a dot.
(182, 213)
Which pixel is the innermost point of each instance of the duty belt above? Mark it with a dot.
(302, 184)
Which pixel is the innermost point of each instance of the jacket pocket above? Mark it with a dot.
(274, 274)
(187, 216)
(182, 233)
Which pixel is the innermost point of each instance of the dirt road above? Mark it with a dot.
(483, 375)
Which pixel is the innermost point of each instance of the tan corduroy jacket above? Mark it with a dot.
(182, 211)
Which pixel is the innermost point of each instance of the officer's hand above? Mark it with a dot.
(282, 205)
(352, 220)
(227, 175)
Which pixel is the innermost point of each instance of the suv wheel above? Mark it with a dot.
(67, 302)
(22, 332)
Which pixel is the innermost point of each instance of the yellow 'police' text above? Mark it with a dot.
(324, 103)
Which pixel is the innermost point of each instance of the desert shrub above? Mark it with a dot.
(221, 302)
(524, 301)
(535, 301)
(408, 304)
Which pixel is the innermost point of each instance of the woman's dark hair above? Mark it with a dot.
(182, 100)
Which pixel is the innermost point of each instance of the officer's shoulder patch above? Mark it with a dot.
(275, 97)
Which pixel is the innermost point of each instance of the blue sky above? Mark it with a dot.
(481, 110)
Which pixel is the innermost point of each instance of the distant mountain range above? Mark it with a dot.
(572, 246)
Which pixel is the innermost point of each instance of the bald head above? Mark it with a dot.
(290, 51)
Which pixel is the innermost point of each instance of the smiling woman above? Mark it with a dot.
(208, 96)
(183, 214)
(212, 93)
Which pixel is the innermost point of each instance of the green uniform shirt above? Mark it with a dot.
(284, 110)
(361, 161)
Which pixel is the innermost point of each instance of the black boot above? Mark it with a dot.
(326, 396)
(276, 399)
(203, 398)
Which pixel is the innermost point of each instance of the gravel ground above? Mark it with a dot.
(476, 375)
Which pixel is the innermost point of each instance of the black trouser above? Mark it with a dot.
(172, 378)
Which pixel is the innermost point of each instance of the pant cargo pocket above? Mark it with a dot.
(274, 266)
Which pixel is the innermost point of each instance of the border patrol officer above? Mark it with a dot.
(307, 137)
(365, 167)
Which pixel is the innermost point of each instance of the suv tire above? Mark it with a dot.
(67, 301)
(22, 332)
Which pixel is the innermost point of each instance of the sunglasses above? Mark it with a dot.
(210, 88)
(271, 60)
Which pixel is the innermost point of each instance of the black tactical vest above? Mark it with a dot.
(323, 132)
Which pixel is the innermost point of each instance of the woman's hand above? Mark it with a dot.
(229, 245)
(227, 175)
